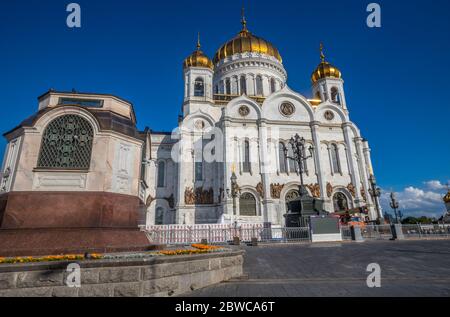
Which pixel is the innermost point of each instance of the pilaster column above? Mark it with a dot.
(354, 170)
(317, 159)
(269, 210)
(366, 170)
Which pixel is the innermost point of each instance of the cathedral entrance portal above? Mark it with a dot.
(340, 202)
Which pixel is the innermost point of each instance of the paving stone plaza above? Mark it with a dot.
(408, 268)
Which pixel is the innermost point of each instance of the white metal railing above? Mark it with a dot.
(223, 233)
(346, 233)
(213, 233)
(419, 231)
(377, 232)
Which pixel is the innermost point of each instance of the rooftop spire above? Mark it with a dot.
(322, 55)
(243, 20)
(198, 42)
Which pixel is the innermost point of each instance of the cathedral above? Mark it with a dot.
(81, 162)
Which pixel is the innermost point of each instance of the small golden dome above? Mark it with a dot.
(325, 69)
(246, 42)
(198, 59)
(447, 198)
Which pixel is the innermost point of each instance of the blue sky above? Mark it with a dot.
(395, 77)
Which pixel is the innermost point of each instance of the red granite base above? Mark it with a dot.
(33, 242)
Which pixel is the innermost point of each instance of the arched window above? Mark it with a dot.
(199, 87)
(272, 85)
(198, 160)
(159, 216)
(259, 86)
(247, 205)
(246, 166)
(161, 174)
(67, 144)
(282, 158)
(340, 202)
(243, 84)
(227, 86)
(335, 163)
(335, 96)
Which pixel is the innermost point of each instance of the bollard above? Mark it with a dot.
(397, 232)
(356, 234)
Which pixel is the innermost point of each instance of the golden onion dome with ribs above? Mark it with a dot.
(244, 42)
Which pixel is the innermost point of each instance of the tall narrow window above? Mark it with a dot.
(335, 96)
(161, 174)
(243, 84)
(272, 85)
(293, 165)
(199, 87)
(282, 158)
(216, 89)
(246, 165)
(67, 144)
(198, 160)
(259, 86)
(227, 86)
(335, 159)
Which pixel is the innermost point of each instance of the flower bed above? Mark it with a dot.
(196, 249)
(49, 258)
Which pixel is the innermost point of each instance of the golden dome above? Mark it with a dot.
(198, 59)
(246, 42)
(325, 69)
(447, 198)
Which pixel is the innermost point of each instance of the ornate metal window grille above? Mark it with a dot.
(247, 205)
(67, 144)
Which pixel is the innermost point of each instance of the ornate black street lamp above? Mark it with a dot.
(234, 191)
(375, 192)
(298, 148)
(394, 205)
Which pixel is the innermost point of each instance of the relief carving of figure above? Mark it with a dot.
(189, 196)
(363, 194)
(351, 188)
(275, 190)
(329, 190)
(260, 189)
(315, 190)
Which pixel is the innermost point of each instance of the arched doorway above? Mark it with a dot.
(247, 205)
(290, 196)
(340, 202)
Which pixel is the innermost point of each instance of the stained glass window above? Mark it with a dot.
(67, 144)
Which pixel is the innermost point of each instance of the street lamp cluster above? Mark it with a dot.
(298, 145)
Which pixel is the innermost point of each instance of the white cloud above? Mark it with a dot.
(418, 202)
(435, 185)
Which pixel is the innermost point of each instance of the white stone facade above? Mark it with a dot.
(324, 123)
